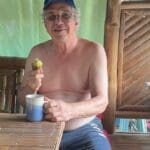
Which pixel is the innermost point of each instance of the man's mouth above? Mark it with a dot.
(59, 30)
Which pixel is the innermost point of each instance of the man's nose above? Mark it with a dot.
(58, 20)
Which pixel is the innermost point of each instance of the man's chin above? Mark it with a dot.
(61, 37)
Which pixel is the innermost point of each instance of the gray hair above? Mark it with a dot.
(77, 14)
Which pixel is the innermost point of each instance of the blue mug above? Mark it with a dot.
(34, 107)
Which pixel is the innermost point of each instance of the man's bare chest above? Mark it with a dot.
(66, 74)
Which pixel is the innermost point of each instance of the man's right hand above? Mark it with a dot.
(34, 80)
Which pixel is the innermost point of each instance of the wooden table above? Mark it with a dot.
(16, 133)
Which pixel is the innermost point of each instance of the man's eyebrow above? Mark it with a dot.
(49, 12)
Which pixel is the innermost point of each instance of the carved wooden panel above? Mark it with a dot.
(134, 60)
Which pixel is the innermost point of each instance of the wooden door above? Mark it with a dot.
(134, 60)
(127, 43)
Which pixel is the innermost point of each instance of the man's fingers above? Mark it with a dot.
(48, 116)
(46, 98)
(50, 103)
(52, 110)
(40, 70)
(53, 117)
(39, 76)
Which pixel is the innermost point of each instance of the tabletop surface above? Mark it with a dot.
(16, 133)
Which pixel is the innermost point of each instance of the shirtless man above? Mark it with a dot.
(73, 78)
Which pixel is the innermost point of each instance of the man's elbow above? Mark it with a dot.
(103, 103)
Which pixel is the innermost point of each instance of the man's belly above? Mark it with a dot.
(71, 96)
(76, 123)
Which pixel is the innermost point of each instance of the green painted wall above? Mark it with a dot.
(21, 25)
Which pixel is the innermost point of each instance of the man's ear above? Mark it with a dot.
(77, 23)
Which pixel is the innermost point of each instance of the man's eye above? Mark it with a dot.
(66, 16)
(51, 17)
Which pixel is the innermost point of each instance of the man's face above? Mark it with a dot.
(60, 21)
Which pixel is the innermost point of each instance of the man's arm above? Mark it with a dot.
(31, 80)
(25, 89)
(98, 82)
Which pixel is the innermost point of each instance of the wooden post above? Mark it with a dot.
(111, 45)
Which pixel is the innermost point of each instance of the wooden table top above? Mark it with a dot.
(16, 133)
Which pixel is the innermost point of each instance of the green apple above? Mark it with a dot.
(37, 64)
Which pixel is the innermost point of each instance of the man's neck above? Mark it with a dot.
(65, 46)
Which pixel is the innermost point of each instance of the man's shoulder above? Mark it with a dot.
(40, 46)
(91, 44)
(38, 49)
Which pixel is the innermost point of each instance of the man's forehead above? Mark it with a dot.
(53, 11)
